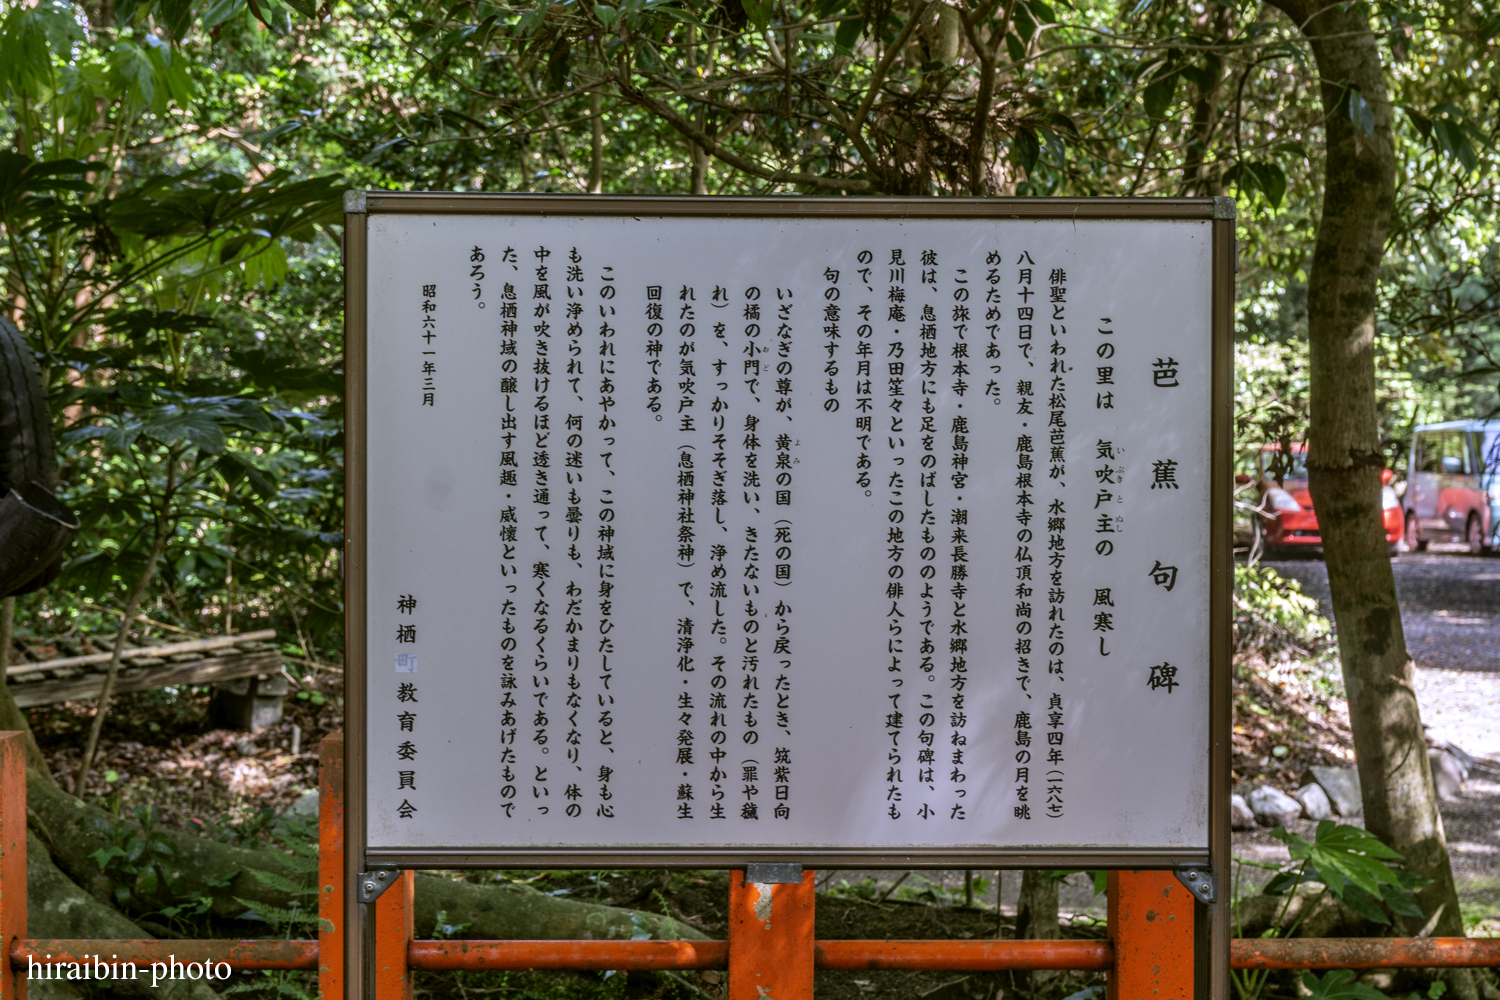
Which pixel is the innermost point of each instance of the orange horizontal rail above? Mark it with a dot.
(632, 956)
(971, 956)
(433, 956)
(1364, 953)
(975, 956)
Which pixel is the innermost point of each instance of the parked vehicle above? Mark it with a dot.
(1453, 485)
(1287, 520)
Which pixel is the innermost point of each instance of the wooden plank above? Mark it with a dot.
(140, 652)
(210, 670)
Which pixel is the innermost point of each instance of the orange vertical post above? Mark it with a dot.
(770, 939)
(331, 867)
(395, 926)
(12, 859)
(1151, 925)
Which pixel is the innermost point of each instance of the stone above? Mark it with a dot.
(1315, 804)
(1448, 773)
(306, 805)
(248, 704)
(1240, 816)
(1342, 787)
(1273, 807)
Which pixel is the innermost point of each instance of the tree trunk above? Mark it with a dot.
(65, 824)
(596, 144)
(1036, 914)
(133, 605)
(1345, 458)
(57, 908)
(12, 719)
(1036, 910)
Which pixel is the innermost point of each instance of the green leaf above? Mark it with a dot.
(146, 883)
(1025, 149)
(1158, 94)
(221, 11)
(1272, 181)
(172, 426)
(1025, 25)
(1364, 904)
(1015, 48)
(176, 16)
(559, 64)
(161, 845)
(1283, 882)
(1339, 985)
(758, 11)
(237, 468)
(1043, 13)
(1341, 855)
(1454, 142)
(1478, 136)
(848, 34)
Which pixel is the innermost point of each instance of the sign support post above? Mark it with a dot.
(395, 927)
(771, 938)
(1151, 924)
(331, 866)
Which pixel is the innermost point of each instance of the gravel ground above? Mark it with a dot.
(1450, 604)
(1450, 612)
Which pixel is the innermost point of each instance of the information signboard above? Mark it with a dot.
(826, 530)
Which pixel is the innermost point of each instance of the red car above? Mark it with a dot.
(1287, 520)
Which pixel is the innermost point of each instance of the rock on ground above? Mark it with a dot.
(1448, 773)
(1273, 807)
(1314, 800)
(1341, 785)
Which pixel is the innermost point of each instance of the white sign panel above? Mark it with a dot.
(805, 533)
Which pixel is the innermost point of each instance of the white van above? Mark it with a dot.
(1453, 485)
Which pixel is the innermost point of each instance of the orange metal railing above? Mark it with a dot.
(1149, 951)
(854, 955)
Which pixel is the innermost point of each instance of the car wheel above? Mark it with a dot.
(1474, 535)
(1395, 548)
(1413, 542)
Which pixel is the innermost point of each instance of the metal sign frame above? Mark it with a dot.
(358, 207)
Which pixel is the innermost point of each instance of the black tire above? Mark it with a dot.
(28, 459)
(1474, 535)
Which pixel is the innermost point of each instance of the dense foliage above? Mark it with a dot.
(170, 172)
